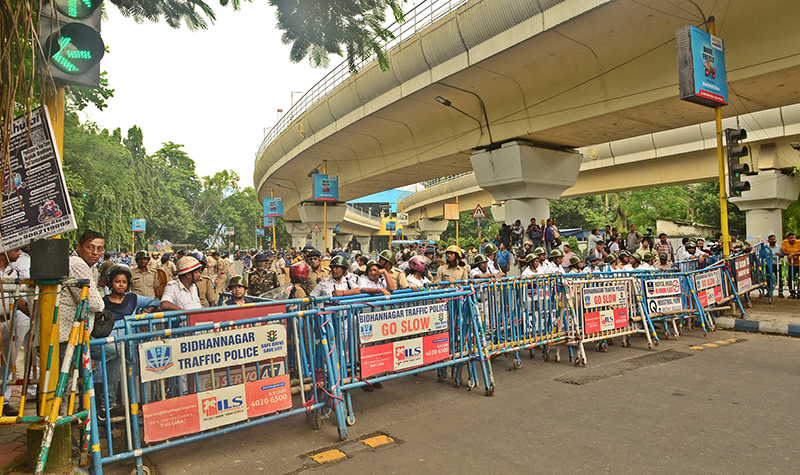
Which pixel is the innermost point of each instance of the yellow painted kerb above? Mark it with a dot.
(329, 456)
(378, 440)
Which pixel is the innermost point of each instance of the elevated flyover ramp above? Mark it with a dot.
(557, 73)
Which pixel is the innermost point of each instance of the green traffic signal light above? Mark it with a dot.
(69, 35)
(77, 8)
(75, 49)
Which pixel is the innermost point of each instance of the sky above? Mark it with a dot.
(214, 90)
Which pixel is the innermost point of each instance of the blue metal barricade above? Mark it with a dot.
(258, 369)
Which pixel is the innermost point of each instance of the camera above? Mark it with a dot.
(649, 237)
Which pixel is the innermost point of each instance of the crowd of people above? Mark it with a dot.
(124, 283)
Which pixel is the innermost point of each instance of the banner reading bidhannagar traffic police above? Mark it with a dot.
(192, 354)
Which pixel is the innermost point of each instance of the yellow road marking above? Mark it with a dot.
(732, 340)
(378, 440)
(329, 456)
(722, 342)
(710, 345)
(697, 347)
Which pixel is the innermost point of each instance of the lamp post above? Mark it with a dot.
(292, 97)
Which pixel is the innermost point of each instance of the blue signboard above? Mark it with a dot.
(336, 229)
(273, 207)
(259, 232)
(138, 225)
(326, 188)
(391, 225)
(701, 67)
(269, 221)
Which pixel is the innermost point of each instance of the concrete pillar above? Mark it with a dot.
(364, 242)
(525, 177)
(499, 213)
(300, 233)
(313, 213)
(344, 239)
(433, 227)
(770, 192)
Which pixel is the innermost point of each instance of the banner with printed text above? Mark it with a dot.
(383, 325)
(405, 354)
(605, 320)
(191, 354)
(607, 295)
(744, 278)
(193, 413)
(708, 285)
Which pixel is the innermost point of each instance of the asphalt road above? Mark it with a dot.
(730, 409)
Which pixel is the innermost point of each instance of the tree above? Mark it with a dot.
(317, 28)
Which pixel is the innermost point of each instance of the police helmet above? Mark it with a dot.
(663, 255)
(260, 257)
(648, 256)
(299, 270)
(611, 258)
(188, 264)
(388, 255)
(530, 257)
(636, 256)
(455, 249)
(490, 249)
(237, 280)
(314, 253)
(339, 261)
(142, 255)
(371, 263)
(574, 260)
(556, 253)
(539, 250)
(480, 258)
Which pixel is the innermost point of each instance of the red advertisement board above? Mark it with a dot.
(404, 354)
(605, 320)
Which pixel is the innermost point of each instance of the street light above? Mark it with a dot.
(441, 100)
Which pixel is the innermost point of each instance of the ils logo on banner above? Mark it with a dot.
(213, 405)
(402, 353)
(159, 359)
(366, 332)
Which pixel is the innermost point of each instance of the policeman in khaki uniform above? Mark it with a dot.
(143, 279)
(316, 273)
(259, 279)
(221, 278)
(386, 259)
(205, 288)
(452, 270)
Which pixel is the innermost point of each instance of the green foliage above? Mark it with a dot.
(317, 28)
(468, 230)
(121, 182)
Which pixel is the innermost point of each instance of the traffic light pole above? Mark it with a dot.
(723, 198)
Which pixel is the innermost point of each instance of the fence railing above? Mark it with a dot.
(416, 19)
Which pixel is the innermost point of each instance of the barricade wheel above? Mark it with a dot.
(472, 383)
(350, 420)
(583, 361)
(667, 336)
(517, 363)
(490, 391)
(145, 470)
(326, 411)
(577, 361)
(649, 346)
(318, 423)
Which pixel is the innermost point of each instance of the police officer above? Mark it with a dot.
(205, 288)
(223, 265)
(316, 273)
(386, 259)
(556, 256)
(452, 270)
(143, 279)
(339, 283)
(259, 279)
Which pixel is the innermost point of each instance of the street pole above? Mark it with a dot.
(723, 198)
(49, 293)
(133, 238)
(274, 224)
(325, 213)
(459, 216)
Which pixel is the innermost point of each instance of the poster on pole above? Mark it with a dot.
(138, 225)
(36, 204)
(451, 211)
(326, 188)
(273, 207)
(701, 67)
(269, 221)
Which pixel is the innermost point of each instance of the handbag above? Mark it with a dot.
(103, 324)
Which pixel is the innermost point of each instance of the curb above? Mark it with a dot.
(755, 326)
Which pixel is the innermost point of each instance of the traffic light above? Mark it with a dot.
(69, 34)
(736, 170)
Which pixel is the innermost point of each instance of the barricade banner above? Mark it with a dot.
(744, 277)
(184, 355)
(382, 325)
(662, 294)
(708, 285)
(404, 354)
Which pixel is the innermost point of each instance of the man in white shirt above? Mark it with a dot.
(181, 294)
(339, 282)
(481, 269)
(593, 239)
(375, 280)
(690, 252)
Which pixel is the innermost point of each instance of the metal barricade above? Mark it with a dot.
(221, 368)
(383, 338)
(604, 309)
(712, 290)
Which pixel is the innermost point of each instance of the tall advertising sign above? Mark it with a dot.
(326, 187)
(701, 67)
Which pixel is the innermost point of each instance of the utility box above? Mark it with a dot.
(49, 259)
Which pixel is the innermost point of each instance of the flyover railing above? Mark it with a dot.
(436, 181)
(363, 213)
(416, 19)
